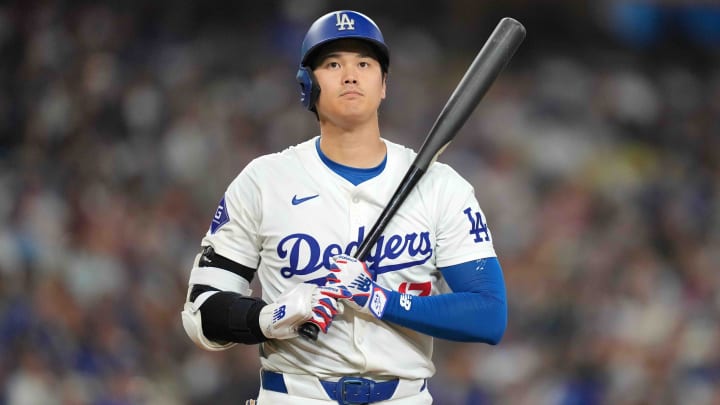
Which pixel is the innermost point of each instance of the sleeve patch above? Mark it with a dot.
(220, 218)
(478, 229)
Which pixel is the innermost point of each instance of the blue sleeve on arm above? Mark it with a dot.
(476, 310)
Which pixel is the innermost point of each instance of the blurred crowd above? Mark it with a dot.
(121, 123)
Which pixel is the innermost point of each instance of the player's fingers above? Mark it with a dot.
(320, 324)
(327, 305)
(321, 320)
(335, 290)
(322, 313)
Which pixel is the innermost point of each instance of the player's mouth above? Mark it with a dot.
(351, 93)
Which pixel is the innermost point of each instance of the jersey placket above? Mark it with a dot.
(361, 214)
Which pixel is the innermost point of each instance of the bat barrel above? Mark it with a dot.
(489, 62)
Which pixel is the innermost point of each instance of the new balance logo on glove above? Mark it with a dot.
(279, 313)
(361, 283)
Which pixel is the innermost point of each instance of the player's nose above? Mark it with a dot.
(349, 75)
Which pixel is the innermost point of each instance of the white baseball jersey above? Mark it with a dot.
(287, 213)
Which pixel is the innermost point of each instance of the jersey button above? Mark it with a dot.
(356, 200)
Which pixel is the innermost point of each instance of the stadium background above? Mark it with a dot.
(596, 157)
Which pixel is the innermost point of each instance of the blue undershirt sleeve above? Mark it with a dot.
(476, 310)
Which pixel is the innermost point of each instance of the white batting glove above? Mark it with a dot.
(353, 274)
(302, 303)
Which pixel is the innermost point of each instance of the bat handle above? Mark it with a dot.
(309, 331)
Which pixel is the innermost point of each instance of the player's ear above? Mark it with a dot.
(384, 86)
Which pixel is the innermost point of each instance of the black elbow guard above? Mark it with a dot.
(231, 317)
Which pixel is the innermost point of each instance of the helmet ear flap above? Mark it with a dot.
(309, 89)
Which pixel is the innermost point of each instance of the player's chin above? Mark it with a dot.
(353, 112)
(353, 105)
(349, 114)
(357, 107)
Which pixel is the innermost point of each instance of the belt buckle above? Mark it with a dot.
(359, 388)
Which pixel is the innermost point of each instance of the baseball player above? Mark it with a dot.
(294, 219)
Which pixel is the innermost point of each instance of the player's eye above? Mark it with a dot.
(364, 64)
(333, 65)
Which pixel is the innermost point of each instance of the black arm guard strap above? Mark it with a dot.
(231, 317)
(211, 259)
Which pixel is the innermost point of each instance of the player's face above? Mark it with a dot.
(352, 83)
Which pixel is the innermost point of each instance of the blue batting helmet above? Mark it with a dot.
(331, 27)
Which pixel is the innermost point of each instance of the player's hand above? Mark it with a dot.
(353, 274)
(327, 305)
(302, 303)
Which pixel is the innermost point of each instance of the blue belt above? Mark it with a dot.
(346, 391)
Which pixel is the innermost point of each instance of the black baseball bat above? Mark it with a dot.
(489, 62)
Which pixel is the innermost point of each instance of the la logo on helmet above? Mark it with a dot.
(343, 22)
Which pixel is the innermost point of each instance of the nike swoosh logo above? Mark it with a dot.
(296, 200)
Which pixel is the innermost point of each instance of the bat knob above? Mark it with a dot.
(309, 331)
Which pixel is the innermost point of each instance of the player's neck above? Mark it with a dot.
(361, 147)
